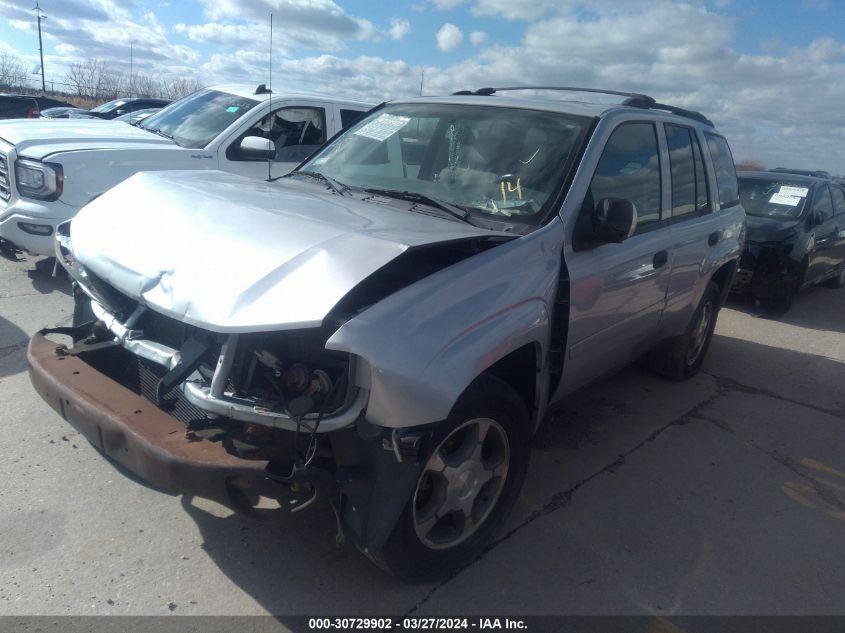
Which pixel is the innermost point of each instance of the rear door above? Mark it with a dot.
(694, 228)
(617, 291)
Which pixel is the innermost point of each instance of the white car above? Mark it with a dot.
(51, 169)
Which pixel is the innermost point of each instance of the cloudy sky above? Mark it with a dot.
(770, 74)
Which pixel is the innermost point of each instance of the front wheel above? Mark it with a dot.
(466, 486)
(839, 280)
(681, 357)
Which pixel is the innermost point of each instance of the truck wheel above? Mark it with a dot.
(466, 487)
(681, 357)
(839, 280)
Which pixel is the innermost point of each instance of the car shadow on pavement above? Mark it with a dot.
(569, 549)
(13, 342)
(816, 308)
(293, 566)
(45, 281)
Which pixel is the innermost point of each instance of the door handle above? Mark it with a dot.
(660, 258)
(714, 238)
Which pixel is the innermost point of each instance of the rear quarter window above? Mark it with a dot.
(723, 165)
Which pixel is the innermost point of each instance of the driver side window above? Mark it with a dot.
(629, 168)
(296, 133)
(822, 204)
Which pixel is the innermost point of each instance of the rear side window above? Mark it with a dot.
(348, 117)
(822, 204)
(629, 168)
(838, 200)
(689, 187)
(723, 163)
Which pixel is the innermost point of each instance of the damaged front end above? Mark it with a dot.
(235, 417)
(768, 270)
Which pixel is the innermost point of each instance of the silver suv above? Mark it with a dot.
(387, 325)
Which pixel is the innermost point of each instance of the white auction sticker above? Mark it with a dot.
(780, 198)
(383, 127)
(800, 192)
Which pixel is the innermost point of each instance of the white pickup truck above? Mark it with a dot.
(49, 169)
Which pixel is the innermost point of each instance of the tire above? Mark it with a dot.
(424, 547)
(838, 281)
(681, 357)
(779, 305)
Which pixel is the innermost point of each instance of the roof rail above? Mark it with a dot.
(633, 99)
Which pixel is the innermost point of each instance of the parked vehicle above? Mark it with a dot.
(63, 112)
(50, 169)
(796, 236)
(137, 116)
(119, 107)
(18, 107)
(13, 106)
(388, 324)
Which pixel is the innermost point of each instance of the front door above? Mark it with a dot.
(296, 131)
(822, 259)
(618, 291)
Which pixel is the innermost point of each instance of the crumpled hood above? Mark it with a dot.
(232, 254)
(770, 229)
(37, 138)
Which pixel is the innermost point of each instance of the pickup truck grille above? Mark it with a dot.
(5, 180)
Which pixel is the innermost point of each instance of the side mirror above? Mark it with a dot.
(614, 220)
(257, 148)
(119, 112)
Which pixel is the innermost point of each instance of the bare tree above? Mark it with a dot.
(92, 78)
(145, 86)
(12, 71)
(178, 88)
(750, 165)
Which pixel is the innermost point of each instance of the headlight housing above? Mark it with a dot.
(35, 179)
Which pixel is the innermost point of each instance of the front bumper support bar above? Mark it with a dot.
(135, 433)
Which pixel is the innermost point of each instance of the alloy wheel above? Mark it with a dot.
(461, 483)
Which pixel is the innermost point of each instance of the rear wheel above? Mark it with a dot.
(681, 357)
(466, 487)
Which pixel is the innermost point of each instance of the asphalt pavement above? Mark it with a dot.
(721, 495)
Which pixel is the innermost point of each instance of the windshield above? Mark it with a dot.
(197, 119)
(773, 198)
(495, 161)
(108, 106)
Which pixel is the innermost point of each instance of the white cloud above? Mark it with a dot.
(446, 5)
(398, 28)
(477, 38)
(449, 37)
(311, 18)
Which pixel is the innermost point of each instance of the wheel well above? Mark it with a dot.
(723, 278)
(519, 370)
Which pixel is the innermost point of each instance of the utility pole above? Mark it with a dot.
(38, 11)
(130, 68)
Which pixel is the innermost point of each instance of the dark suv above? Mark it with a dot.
(26, 106)
(796, 236)
(389, 324)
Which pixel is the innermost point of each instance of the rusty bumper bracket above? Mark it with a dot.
(132, 431)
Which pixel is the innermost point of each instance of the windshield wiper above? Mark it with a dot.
(335, 185)
(420, 198)
(159, 132)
